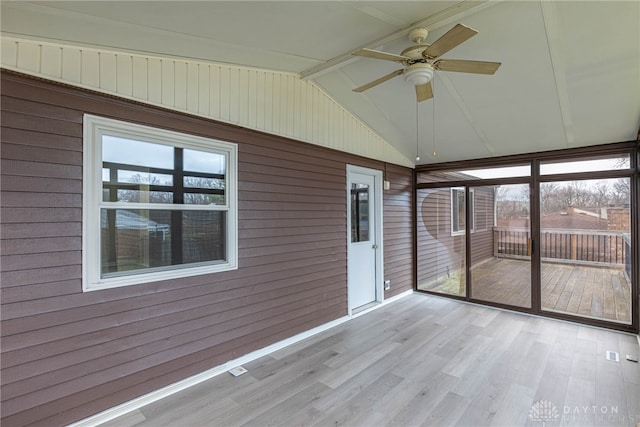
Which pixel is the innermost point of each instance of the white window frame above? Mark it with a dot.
(454, 205)
(94, 128)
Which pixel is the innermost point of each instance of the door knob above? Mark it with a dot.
(375, 246)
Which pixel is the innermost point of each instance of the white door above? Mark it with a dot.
(364, 251)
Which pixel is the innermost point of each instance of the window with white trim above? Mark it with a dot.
(157, 204)
(458, 217)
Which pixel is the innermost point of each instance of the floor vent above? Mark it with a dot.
(613, 356)
(237, 371)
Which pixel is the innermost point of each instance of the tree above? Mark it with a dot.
(144, 194)
(621, 192)
(600, 195)
(202, 198)
(549, 201)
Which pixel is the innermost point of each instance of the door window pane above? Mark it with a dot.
(359, 213)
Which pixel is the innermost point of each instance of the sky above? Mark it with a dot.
(127, 151)
(549, 168)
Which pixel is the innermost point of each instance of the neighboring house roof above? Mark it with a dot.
(573, 221)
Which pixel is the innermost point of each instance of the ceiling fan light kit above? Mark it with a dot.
(418, 74)
(421, 60)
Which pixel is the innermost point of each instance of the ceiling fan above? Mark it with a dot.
(421, 60)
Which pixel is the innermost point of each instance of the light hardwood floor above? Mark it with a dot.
(423, 361)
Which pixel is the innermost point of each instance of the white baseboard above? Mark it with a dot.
(139, 402)
(376, 306)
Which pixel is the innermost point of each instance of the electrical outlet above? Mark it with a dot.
(387, 285)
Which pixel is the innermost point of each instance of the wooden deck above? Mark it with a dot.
(421, 361)
(594, 292)
(598, 292)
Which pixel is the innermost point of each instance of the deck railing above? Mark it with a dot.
(589, 246)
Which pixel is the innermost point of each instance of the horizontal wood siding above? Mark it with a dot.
(67, 354)
(439, 251)
(482, 237)
(398, 229)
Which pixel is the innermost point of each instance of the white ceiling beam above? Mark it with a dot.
(433, 22)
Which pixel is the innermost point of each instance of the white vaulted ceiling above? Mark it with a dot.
(570, 73)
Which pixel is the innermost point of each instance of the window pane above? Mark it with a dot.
(213, 194)
(359, 213)
(127, 175)
(203, 199)
(441, 253)
(144, 177)
(130, 176)
(501, 254)
(619, 161)
(457, 210)
(474, 174)
(142, 195)
(585, 248)
(200, 161)
(132, 152)
(203, 236)
(200, 182)
(139, 240)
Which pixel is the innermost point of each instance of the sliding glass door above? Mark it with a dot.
(585, 243)
(552, 237)
(501, 244)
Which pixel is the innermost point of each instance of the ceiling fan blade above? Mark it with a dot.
(452, 38)
(465, 66)
(378, 81)
(424, 92)
(376, 54)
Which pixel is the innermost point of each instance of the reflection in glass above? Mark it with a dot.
(458, 214)
(441, 252)
(144, 172)
(132, 152)
(500, 245)
(139, 239)
(359, 213)
(200, 161)
(215, 195)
